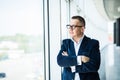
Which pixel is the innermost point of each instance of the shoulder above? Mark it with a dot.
(66, 41)
(92, 41)
(95, 40)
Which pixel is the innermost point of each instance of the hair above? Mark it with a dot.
(81, 19)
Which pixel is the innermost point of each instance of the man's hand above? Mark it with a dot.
(65, 53)
(85, 59)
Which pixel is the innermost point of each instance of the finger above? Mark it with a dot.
(63, 54)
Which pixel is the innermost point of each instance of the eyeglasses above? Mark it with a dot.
(72, 26)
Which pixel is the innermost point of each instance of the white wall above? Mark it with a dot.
(96, 25)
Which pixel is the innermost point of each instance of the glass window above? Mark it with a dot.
(21, 40)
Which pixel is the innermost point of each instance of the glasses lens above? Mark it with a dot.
(68, 26)
(71, 26)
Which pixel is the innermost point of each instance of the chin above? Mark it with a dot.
(72, 36)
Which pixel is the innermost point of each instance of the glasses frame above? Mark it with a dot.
(68, 26)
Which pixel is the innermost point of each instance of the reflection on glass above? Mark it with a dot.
(21, 41)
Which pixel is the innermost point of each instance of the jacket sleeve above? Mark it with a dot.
(65, 61)
(94, 63)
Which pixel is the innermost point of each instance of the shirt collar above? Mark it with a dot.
(79, 40)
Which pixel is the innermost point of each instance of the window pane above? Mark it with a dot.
(21, 40)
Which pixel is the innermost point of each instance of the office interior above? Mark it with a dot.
(32, 30)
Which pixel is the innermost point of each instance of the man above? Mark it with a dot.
(80, 55)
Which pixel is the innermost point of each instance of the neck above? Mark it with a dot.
(77, 38)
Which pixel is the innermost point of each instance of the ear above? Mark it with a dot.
(82, 29)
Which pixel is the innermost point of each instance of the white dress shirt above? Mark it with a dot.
(77, 46)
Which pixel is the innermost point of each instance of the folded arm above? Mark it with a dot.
(90, 63)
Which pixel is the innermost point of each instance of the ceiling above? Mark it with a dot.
(109, 9)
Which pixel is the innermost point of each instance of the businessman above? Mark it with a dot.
(80, 55)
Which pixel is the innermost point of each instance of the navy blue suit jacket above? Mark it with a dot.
(87, 71)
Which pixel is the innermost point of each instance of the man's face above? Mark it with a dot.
(77, 30)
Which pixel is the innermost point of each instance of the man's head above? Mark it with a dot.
(81, 20)
(76, 26)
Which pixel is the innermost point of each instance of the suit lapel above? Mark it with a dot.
(71, 48)
(83, 45)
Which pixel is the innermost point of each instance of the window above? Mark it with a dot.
(21, 39)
